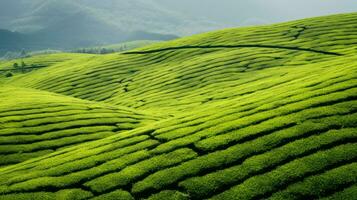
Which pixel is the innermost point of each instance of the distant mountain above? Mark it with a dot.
(79, 23)
(133, 15)
(57, 38)
(12, 41)
(82, 29)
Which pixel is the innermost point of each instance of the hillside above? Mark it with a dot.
(120, 47)
(266, 112)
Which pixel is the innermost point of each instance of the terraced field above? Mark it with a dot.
(36, 123)
(38, 62)
(265, 112)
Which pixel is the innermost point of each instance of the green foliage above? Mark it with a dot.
(39, 123)
(69, 194)
(253, 113)
(259, 186)
(8, 75)
(348, 193)
(131, 173)
(207, 185)
(169, 195)
(115, 47)
(318, 186)
(16, 65)
(116, 195)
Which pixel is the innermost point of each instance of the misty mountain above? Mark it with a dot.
(182, 17)
(10, 41)
(65, 24)
(133, 15)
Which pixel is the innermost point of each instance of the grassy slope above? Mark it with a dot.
(130, 45)
(120, 47)
(35, 123)
(251, 113)
(44, 60)
(174, 77)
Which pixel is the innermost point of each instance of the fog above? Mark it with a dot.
(252, 12)
(222, 13)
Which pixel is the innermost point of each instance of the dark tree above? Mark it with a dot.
(8, 75)
(16, 65)
(23, 66)
(103, 51)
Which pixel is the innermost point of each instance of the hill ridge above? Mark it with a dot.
(232, 47)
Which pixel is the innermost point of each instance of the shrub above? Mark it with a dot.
(8, 74)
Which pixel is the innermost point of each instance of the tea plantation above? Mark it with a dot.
(267, 112)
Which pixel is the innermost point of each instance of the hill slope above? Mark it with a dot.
(251, 113)
(191, 70)
(35, 123)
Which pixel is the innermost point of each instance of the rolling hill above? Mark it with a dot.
(265, 112)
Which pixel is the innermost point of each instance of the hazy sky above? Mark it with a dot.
(246, 12)
(183, 16)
